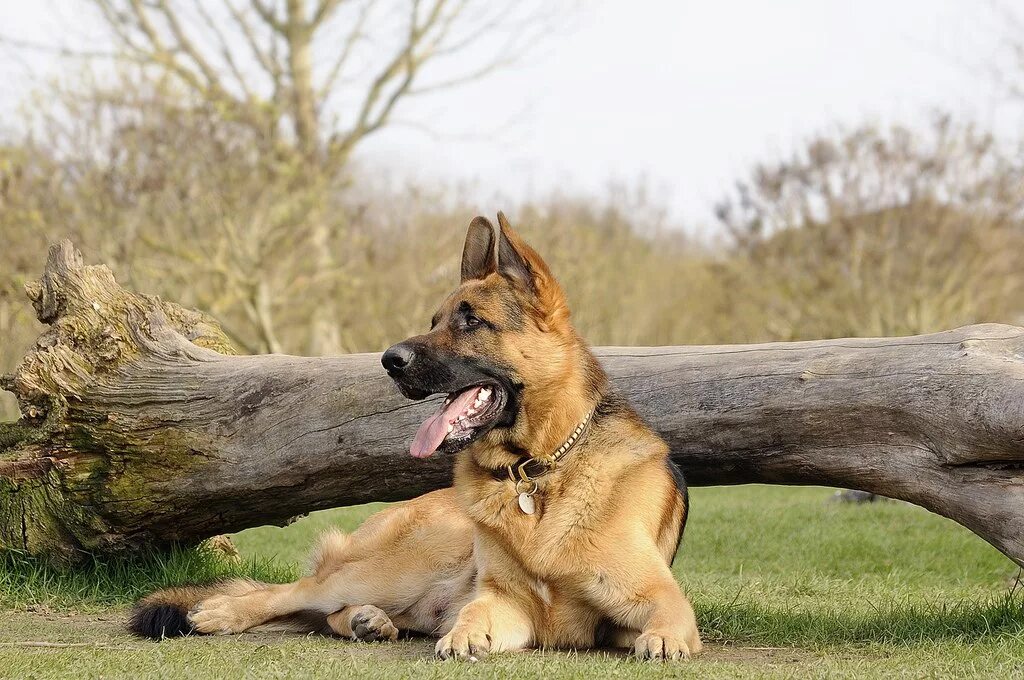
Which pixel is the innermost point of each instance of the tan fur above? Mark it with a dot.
(465, 563)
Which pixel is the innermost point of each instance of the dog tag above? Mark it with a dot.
(527, 504)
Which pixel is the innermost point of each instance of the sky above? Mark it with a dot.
(681, 96)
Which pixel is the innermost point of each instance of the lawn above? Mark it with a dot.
(785, 585)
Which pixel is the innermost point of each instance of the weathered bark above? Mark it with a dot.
(136, 432)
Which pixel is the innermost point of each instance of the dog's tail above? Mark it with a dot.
(164, 613)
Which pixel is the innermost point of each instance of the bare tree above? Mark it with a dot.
(303, 83)
(257, 61)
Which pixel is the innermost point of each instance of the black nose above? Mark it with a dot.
(397, 357)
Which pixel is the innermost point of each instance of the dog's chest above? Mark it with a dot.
(553, 542)
(557, 540)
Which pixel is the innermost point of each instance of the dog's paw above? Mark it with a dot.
(465, 644)
(370, 624)
(219, 615)
(659, 646)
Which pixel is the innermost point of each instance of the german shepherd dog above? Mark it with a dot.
(563, 520)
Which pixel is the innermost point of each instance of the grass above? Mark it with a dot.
(99, 585)
(784, 584)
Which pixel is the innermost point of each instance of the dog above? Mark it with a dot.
(561, 526)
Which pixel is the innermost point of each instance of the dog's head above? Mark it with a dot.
(499, 347)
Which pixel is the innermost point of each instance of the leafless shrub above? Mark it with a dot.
(882, 232)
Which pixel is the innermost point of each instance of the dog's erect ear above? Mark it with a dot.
(521, 264)
(479, 256)
(512, 254)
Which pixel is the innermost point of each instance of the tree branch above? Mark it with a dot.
(349, 44)
(404, 65)
(268, 16)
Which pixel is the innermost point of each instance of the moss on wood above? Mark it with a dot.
(70, 465)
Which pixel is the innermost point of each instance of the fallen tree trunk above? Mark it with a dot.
(140, 429)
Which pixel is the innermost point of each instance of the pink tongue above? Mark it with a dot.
(435, 428)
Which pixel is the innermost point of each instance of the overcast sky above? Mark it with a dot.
(684, 94)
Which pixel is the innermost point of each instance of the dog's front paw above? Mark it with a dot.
(370, 624)
(660, 646)
(463, 643)
(219, 615)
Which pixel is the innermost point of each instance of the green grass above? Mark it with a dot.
(101, 584)
(784, 584)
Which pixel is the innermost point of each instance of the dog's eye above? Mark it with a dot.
(472, 321)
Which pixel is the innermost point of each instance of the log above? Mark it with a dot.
(140, 428)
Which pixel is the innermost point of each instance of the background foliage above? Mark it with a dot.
(210, 159)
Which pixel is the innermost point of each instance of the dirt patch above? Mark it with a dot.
(735, 653)
(42, 624)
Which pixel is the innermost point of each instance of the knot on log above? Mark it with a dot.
(48, 295)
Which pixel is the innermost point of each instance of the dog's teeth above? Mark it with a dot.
(451, 428)
(485, 393)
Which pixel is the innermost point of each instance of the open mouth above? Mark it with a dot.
(463, 416)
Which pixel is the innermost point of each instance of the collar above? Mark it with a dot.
(529, 468)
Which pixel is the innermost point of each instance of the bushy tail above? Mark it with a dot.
(164, 613)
